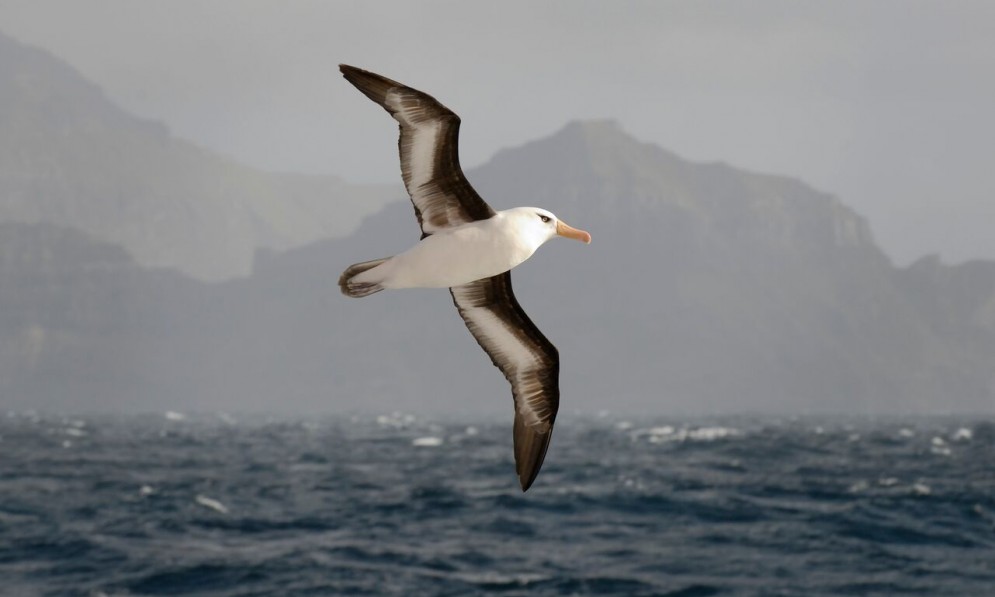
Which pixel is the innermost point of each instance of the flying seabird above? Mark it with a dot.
(469, 248)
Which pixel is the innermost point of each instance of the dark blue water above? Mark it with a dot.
(210, 505)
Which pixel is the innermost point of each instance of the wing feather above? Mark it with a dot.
(529, 362)
(429, 149)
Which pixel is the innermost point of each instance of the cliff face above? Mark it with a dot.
(955, 299)
(706, 289)
(600, 173)
(70, 157)
(79, 319)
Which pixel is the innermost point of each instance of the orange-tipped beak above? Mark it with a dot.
(571, 232)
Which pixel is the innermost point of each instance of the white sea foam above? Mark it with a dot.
(396, 420)
(667, 433)
(211, 503)
(859, 486)
(906, 432)
(712, 433)
(656, 434)
(940, 447)
(145, 490)
(921, 488)
(427, 442)
(962, 435)
(471, 431)
(74, 432)
(980, 511)
(172, 415)
(495, 578)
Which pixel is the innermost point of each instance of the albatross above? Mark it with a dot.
(470, 248)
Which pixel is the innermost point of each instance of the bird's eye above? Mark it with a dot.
(545, 219)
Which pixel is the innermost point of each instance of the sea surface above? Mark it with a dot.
(214, 504)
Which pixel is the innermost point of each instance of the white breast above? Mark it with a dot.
(459, 256)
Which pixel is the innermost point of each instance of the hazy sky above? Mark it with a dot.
(888, 105)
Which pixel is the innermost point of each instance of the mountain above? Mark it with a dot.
(706, 289)
(77, 318)
(70, 157)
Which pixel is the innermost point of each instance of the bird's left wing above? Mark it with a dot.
(527, 359)
(429, 148)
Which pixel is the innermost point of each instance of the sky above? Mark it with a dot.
(885, 104)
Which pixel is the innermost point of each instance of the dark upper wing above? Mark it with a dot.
(528, 360)
(429, 146)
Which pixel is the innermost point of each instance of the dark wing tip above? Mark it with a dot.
(372, 85)
(530, 451)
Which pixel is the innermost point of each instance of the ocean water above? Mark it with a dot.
(173, 504)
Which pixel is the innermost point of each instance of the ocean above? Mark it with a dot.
(395, 504)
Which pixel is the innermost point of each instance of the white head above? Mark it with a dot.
(539, 225)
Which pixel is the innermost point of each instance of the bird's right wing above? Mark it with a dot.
(429, 147)
(527, 359)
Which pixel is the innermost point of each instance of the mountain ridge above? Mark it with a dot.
(706, 289)
(71, 157)
(806, 307)
(644, 320)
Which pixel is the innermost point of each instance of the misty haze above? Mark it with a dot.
(170, 250)
(141, 271)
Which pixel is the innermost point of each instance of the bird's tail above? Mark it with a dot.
(358, 287)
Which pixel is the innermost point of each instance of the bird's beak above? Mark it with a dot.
(571, 232)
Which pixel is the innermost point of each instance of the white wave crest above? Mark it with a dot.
(211, 503)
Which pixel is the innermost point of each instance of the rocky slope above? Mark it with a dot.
(706, 288)
(70, 157)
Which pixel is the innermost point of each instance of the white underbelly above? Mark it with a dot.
(453, 258)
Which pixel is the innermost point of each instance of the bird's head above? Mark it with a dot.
(541, 225)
